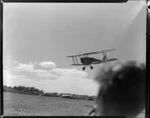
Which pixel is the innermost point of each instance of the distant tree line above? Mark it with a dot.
(35, 91)
(29, 90)
(24, 90)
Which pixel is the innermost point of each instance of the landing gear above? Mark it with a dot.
(91, 67)
(83, 68)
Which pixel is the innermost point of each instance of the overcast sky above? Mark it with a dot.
(38, 37)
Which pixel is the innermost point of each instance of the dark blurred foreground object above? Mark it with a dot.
(122, 89)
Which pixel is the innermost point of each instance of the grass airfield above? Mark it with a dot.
(31, 105)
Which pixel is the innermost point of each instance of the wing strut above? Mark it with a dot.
(73, 60)
(76, 60)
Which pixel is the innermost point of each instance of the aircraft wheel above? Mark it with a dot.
(83, 68)
(91, 67)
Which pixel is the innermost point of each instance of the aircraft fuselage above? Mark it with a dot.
(88, 60)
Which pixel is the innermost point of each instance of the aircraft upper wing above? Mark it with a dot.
(95, 52)
(74, 55)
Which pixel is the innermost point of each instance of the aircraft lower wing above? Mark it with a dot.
(113, 59)
(108, 60)
(77, 64)
(97, 62)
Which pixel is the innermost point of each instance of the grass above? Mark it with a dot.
(30, 105)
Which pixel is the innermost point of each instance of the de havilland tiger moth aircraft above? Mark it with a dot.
(88, 61)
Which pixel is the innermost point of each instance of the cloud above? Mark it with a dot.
(36, 69)
(48, 65)
(9, 78)
(47, 76)
(47, 70)
(24, 67)
(70, 72)
(56, 79)
(30, 67)
(62, 73)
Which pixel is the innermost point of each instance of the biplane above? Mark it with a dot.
(85, 60)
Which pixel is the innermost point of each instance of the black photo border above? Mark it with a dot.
(72, 1)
